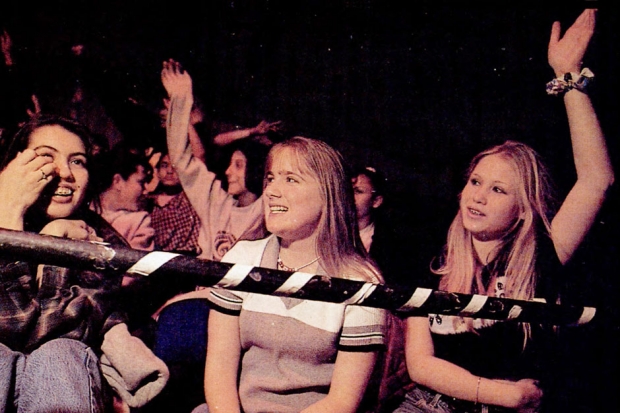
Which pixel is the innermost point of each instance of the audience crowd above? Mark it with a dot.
(75, 340)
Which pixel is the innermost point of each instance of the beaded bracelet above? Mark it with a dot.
(559, 86)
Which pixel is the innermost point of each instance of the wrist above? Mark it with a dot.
(569, 81)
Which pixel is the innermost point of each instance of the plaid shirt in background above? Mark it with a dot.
(76, 304)
(176, 226)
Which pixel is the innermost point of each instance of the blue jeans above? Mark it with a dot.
(60, 376)
(423, 400)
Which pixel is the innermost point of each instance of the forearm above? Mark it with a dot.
(590, 153)
(177, 127)
(452, 380)
(198, 149)
(226, 138)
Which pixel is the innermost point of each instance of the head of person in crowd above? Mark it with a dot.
(368, 191)
(121, 178)
(46, 167)
(507, 199)
(168, 179)
(245, 171)
(308, 196)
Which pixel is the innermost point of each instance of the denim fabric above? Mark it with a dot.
(423, 400)
(60, 376)
(201, 409)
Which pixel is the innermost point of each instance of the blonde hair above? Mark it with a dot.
(536, 204)
(338, 245)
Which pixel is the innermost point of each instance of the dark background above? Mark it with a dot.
(415, 89)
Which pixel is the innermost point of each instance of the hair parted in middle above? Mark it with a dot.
(536, 202)
(338, 244)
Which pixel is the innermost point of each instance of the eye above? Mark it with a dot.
(78, 162)
(357, 191)
(46, 155)
(269, 178)
(498, 190)
(474, 181)
(292, 180)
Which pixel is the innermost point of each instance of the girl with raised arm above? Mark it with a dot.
(507, 240)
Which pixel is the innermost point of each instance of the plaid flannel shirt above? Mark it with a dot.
(76, 304)
(176, 226)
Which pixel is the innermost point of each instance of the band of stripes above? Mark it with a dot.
(150, 262)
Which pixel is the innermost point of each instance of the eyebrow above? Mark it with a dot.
(475, 175)
(56, 150)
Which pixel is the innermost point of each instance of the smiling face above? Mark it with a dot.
(292, 199)
(66, 192)
(235, 174)
(489, 202)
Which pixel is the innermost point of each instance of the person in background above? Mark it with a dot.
(175, 222)
(120, 198)
(225, 215)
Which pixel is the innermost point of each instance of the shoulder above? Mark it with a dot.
(246, 252)
(103, 228)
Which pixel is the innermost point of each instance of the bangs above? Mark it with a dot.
(299, 157)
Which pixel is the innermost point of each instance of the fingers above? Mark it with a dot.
(555, 33)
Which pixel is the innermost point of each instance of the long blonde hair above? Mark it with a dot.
(338, 244)
(459, 267)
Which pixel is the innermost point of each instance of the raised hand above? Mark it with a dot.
(565, 53)
(6, 45)
(264, 127)
(21, 184)
(176, 81)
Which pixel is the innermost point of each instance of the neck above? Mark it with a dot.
(363, 222)
(246, 198)
(169, 189)
(107, 202)
(299, 252)
(485, 250)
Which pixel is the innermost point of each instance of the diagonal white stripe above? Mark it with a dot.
(419, 297)
(475, 304)
(150, 262)
(293, 283)
(235, 275)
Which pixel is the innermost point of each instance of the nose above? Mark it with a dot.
(63, 169)
(480, 196)
(228, 171)
(272, 190)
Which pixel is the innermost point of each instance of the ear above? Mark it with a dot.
(117, 180)
(377, 201)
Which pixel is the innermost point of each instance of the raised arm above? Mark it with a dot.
(201, 186)
(594, 171)
(262, 128)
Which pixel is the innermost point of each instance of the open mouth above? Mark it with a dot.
(277, 209)
(64, 192)
(475, 212)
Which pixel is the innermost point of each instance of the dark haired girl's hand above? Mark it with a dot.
(21, 184)
(68, 228)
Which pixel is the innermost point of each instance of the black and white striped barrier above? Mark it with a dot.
(24, 246)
